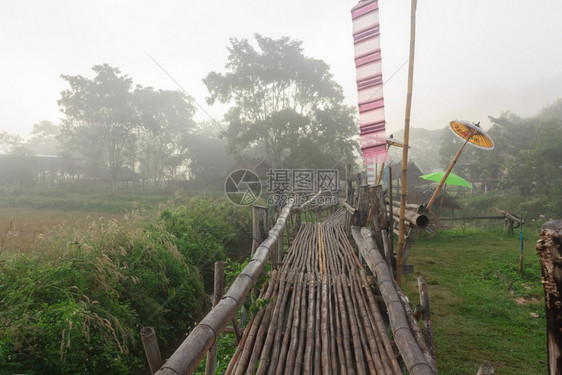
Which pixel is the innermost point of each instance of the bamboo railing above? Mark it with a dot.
(188, 355)
(415, 359)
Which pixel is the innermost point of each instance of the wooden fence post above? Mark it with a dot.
(549, 249)
(378, 213)
(151, 350)
(211, 363)
(259, 227)
(362, 207)
(426, 315)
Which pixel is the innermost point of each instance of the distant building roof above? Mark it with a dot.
(413, 174)
(259, 166)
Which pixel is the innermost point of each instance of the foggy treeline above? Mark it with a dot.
(284, 107)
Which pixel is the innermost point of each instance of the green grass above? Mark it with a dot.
(474, 288)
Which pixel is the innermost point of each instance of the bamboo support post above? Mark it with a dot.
(404, 180)
(259, 226)
(378, 213)
(151, 349)
(362, 207)
(549, 250)
(358, 183)
(426, 315)
(211, 363)
(348, 183)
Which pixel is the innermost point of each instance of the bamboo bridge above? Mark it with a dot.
(330, 304)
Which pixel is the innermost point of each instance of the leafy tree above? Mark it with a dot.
(166, 118)
(44, 138)
(13, 144)
(209, 162)
(282, 101)
(100, 117)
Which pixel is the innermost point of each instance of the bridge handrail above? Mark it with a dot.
(188, 355)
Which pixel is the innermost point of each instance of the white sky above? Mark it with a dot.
(473, 58)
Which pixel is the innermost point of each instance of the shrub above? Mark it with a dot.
(77, 305)
(207, 230)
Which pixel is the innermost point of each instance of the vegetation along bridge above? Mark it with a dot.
(331, 305)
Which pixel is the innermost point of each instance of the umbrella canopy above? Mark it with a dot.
(472, 133)
(452, 179)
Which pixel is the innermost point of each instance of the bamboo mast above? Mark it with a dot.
(403, 183)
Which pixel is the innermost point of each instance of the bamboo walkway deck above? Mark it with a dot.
(321, 315)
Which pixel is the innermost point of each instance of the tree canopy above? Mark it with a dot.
(284, 102)
(110, 123)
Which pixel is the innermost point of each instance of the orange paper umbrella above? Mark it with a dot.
(470, 133)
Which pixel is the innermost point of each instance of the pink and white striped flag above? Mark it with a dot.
(366, 38)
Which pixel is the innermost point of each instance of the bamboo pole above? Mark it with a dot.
(404, 182)
(211, 363)
(426, 314)
(151, 350)
(447, 172)
(411, 353)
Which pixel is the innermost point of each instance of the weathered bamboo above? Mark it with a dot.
(510, 216)
(259, 226)
(404, 180)
(390, 217)
(415, 329)
(211, 362)
(378, 212)
(549, 250)
(348, 183)
(151, 350)
(310, 325)
(409, 206)
(345, 324)
(409, 349)
(325, 355)
(362, 207)
(302, 330)
(272, 330)
(411, 217)
(426, 315)
(191, 351)
(381, 326)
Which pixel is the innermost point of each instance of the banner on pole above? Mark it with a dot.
(366, 39)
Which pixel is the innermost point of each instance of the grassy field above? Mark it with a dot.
(21, 227)
(483, 309)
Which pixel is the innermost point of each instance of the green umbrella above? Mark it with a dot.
(452, 179)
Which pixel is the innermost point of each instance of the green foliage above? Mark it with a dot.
(283, 102)
(77, 305)
(207, 230)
